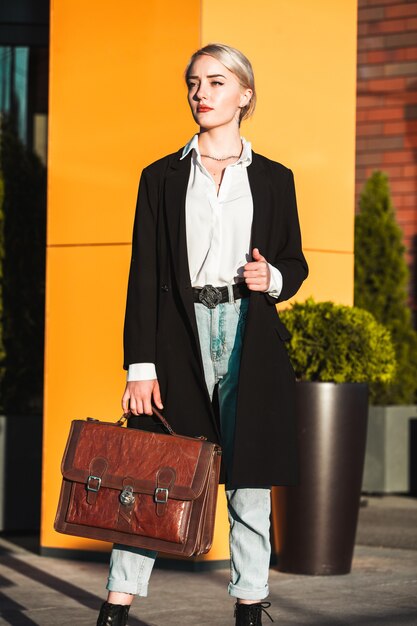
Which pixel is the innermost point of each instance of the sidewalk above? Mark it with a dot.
(382, 588)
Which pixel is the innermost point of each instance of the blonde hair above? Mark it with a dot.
(236, 62)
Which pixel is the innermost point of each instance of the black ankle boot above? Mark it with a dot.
(113, 614)
(251, 614)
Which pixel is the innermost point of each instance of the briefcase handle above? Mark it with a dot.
(126, 416)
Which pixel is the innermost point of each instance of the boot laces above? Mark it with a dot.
(254, 608)
(264, 606)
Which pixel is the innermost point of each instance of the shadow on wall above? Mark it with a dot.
(22, 295)
(23, 275)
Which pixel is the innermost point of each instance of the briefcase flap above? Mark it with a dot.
(103, 454)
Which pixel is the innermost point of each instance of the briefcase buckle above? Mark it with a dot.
(90, 487)
(161, 495)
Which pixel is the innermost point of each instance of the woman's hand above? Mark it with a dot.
(257, 273)
(138, 395)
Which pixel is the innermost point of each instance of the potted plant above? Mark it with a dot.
(336, 351)
(382, 280)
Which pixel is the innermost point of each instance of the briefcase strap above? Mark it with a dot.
(126, 416)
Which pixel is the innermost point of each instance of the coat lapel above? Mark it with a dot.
(175, 194)
(259, 184)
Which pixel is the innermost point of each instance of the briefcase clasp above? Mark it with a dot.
(127, 497)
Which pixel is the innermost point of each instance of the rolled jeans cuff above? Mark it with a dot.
(248, 594)
(126, 586)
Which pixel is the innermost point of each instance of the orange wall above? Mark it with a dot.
(117, 102)
(304, 59)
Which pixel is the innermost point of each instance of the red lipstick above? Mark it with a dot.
(202, 108)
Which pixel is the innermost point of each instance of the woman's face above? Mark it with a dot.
(214, 93)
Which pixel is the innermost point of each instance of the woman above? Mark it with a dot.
(216, 244)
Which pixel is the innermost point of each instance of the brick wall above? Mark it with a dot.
(386, 135)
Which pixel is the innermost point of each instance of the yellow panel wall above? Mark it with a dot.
(304, 59)
(117, 102)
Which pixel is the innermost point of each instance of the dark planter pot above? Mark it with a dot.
(318, 518)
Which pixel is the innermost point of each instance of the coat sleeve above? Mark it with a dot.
(290, 260)
(139, 334)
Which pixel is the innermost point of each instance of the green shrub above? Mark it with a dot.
(337, 343)
(381, 283)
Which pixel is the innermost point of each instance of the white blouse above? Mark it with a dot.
(218, 228)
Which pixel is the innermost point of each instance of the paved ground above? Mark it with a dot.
(389, 521)
(382, 588)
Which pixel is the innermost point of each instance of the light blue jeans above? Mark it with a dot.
(220, 333)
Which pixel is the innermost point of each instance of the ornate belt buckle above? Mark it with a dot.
(210, 296)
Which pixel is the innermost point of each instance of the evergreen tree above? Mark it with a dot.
(381, 283)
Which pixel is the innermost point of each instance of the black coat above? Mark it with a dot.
(161, 328)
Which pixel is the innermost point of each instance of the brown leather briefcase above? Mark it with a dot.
(144, 489)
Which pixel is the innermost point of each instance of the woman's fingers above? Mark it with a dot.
(137, 396)
(257, 284)
(257, 275)
(125, 400)
(133, 406)
(147, 405)
(157, 395)
(260, 268)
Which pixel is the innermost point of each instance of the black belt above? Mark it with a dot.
(212, 296)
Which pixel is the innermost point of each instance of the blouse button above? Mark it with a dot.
(164, 288)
